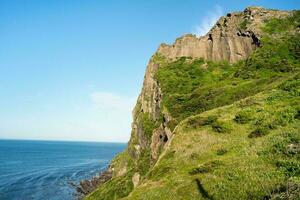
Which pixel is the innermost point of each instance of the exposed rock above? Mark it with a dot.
(122, 171)
(136, 179)
(204, 66)
(87, 186)
(225, 41)
(293, 148)
(159, 138)
(148, 102)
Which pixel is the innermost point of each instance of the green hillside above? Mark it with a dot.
(236, 127)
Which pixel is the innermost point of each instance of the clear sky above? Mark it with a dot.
(72, 70)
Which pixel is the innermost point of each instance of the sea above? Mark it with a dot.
(42, 170)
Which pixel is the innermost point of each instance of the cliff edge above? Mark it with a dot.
(203, 110)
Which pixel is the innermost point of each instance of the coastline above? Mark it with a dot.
(87, 186)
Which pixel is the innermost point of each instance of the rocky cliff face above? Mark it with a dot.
(234, 37)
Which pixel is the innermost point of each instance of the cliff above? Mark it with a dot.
(197, 116)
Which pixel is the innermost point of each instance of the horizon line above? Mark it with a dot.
(57, 140)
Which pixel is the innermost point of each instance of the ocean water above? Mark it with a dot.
(41, 170)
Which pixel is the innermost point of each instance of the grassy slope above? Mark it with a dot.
(235, 162)
(240, 151)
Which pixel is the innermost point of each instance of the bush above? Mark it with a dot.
(220, 127)
(210, 120)
(194, 156)
(297, 115)
(295, 46)
(259, 132)
(285, 117)
(206, 167)
(290, 167)
(196, 122)
(243, 117)
(243, 24)
(287, 144)
(292, 86)
(221, 151)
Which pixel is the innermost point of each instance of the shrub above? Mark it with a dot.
(295, 46)
(292, 86)
(243, 24)
(297, 115)
(275, 97)
(272, 125)
(285, 116)
(258, 132)
(196, 122)
(220, 127)
(221, 151)
(290, 167)
(285, 145)
(243, 117)
(206, 167)
(210, 119)
(194, 156)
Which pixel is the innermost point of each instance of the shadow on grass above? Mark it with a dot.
(202, 191)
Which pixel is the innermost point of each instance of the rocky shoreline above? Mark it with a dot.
(87, 186)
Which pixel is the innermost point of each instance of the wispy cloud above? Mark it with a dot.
(99, 116)
(108, 117)
(112, 102)
(208, 21)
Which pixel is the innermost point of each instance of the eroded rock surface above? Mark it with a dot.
(232, 38)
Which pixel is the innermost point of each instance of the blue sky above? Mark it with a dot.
(72, 70)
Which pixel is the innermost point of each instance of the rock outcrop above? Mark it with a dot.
(232, 38)
(87, 186)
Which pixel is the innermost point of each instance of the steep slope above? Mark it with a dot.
(224, 154)
(246, 54)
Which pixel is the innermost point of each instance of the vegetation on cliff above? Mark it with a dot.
(236, 126)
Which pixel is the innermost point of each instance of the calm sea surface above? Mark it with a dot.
(44, 169)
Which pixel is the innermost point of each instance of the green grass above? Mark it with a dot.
(148, 124)
(189, 89)
(144, 161)
(243, 24)
(230, 166)
(275, 25)
(115, 188)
